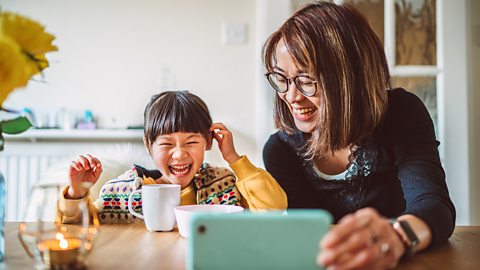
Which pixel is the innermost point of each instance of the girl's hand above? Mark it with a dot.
(362, 240)
(224, 138)
(82, 174)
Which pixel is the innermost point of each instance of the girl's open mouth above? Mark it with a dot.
(180, 170)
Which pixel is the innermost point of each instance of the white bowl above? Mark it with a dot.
(184, 213)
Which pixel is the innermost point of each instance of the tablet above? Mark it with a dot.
(267, 240)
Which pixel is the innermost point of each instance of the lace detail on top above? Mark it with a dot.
(362, 160)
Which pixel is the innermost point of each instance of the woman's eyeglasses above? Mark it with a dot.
(305, 84)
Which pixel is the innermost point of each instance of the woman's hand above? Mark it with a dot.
(83, 173)
(362, 240)
(224, 138)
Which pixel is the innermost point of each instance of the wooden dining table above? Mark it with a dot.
(121, 246)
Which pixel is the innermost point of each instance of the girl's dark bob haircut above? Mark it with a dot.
(175, 111)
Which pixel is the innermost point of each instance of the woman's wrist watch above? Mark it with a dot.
(410, 241)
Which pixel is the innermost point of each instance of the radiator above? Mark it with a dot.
(21, 173)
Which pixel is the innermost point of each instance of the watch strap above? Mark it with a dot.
(412, 237)
(413, 241)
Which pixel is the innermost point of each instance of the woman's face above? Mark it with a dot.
(305, 110)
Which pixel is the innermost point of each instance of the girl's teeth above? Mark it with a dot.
(180, 169)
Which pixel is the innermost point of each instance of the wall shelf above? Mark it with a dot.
(34, 135)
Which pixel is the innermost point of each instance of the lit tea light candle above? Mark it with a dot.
(60, 252)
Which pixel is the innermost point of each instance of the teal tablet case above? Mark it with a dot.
(268, 240)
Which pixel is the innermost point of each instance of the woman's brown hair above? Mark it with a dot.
(336, 45)
(175, 111)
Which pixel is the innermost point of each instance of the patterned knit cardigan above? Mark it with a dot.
(213, 185)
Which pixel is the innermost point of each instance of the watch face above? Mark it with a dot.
(412, 237)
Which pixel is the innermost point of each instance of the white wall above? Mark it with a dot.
(453, 104)
(113, 55)
(474, 90)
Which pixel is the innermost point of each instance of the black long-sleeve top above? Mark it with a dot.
(397, 170)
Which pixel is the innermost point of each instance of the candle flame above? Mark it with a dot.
(63, 243)
(59, 236)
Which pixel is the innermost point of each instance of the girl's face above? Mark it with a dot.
(179, 156)
(305, 110)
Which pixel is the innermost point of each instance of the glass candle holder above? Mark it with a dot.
(60, 251)
(45, 236)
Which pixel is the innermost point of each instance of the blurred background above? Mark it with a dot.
(114, 54)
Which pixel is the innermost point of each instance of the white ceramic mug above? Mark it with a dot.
(158, 203)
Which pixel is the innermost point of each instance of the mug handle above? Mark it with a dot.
(130, 208)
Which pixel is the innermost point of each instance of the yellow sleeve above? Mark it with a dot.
(188, 195)
(258, 188)
(67, 209)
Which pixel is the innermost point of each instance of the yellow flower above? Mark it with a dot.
(23, 45)
(14, 71)
(31, 37)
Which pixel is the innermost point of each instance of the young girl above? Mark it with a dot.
(178, 130)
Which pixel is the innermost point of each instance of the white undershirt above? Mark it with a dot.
(340, 176)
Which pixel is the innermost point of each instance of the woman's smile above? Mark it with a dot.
(304, 113)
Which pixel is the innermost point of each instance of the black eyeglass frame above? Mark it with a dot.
(289, 80)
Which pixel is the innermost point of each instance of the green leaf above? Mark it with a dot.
(1, 141)
(15, 126)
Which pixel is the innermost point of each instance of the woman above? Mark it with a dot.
(367, 155)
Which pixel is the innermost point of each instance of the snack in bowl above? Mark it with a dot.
(184, 213)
